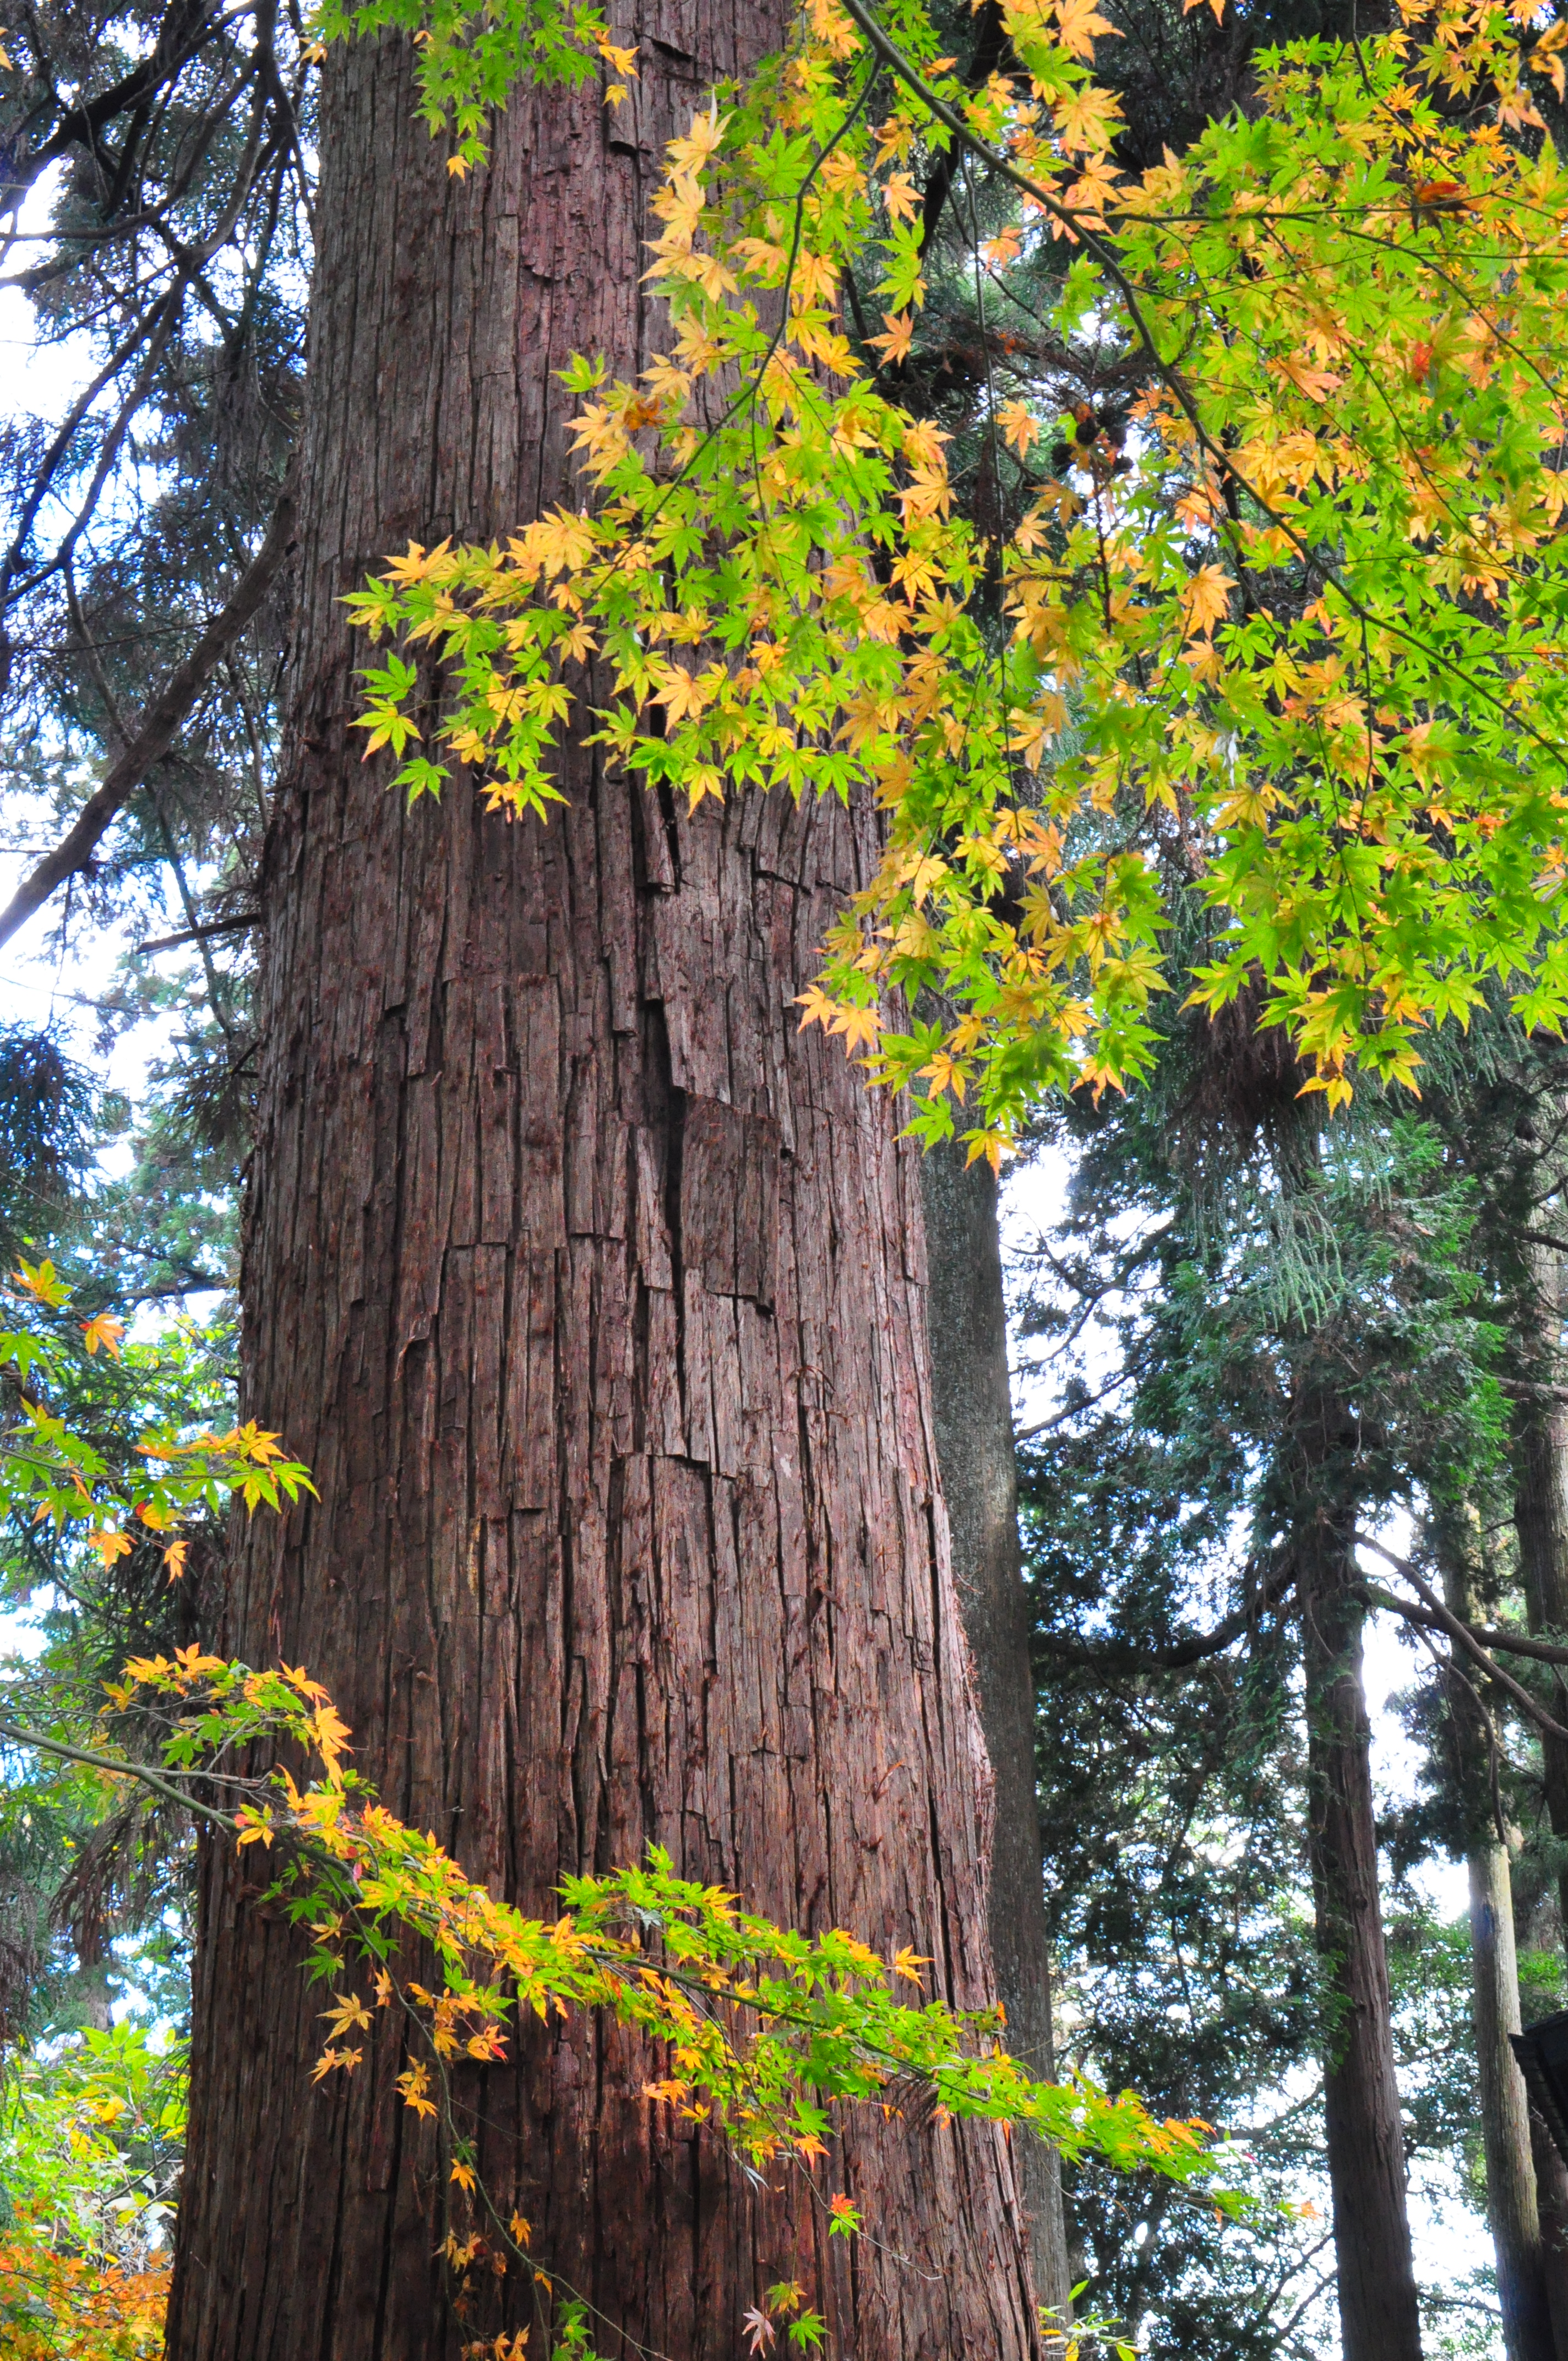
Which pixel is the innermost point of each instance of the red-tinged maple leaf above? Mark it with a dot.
(760, 2330)
(104, 1330)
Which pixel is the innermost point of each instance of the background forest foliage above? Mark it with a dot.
(1220, 1247)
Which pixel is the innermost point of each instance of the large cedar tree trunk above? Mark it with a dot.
(592, 1289)
(973, 1405)
(1379, 2315)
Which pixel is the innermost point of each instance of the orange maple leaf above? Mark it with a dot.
(1205, 601)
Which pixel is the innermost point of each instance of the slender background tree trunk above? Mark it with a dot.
(1379, 2315)
(593, 1290)
(1540, 1504)
(973, 1406)
(1512, 2213)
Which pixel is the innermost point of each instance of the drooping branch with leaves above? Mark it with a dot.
(1291, 612)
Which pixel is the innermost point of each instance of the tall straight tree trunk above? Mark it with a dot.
(1541, 1524)
(1541, 1500)
(973, 1406)
(593, 1290)
(1379, 2315)
(1512, 2212)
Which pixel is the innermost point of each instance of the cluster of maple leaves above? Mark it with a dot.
(1297, 648)
(770, 2034)
(49, 1470)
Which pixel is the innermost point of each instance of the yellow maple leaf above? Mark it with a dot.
(944, 1073)
(988, 1144)
(1317, 384)
(38, 1279)
(109, 1546)
(1086, 121)
(1080, 24)
(1205, 601)
(464, 2174)
(331, 2059)
(414, 2086)
(349, 2010)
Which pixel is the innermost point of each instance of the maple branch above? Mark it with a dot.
(159, 723)
(19, 1736)
(1098, 245)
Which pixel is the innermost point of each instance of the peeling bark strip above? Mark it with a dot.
(593, 1292)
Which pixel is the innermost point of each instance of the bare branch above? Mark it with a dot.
(1445, 1621)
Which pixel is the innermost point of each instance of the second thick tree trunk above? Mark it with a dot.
(973, 1406)
(1379, 2315)
(592, 1291)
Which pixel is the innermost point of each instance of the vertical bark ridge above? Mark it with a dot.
(592, 1291)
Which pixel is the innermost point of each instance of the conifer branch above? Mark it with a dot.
(159, 723)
